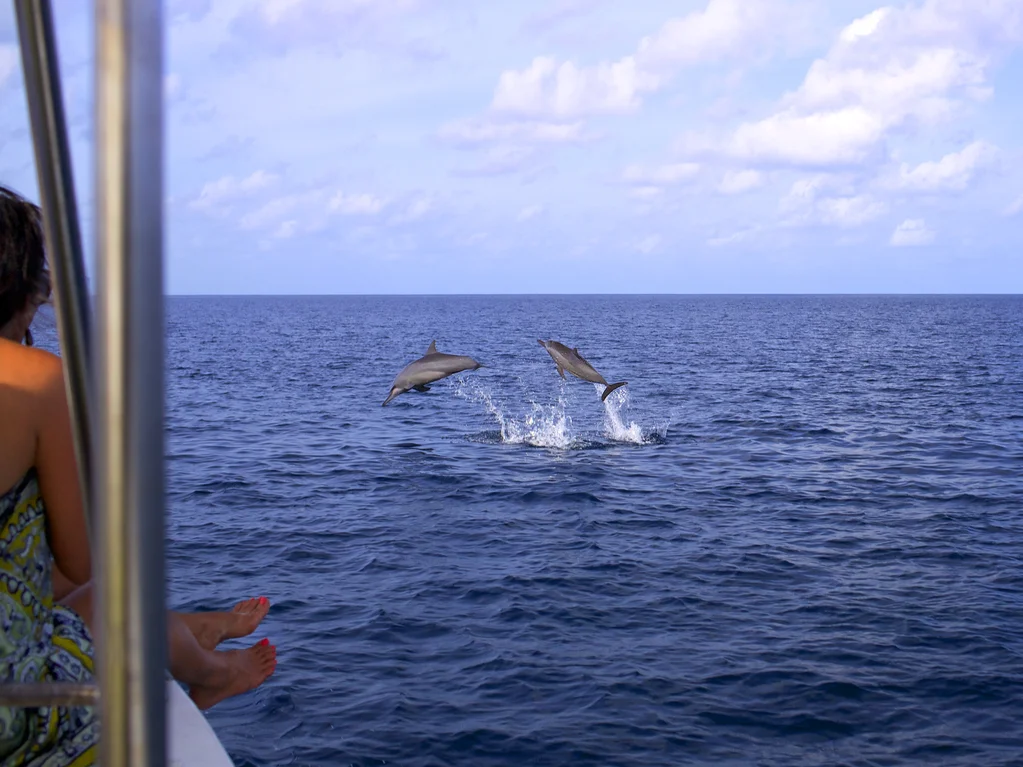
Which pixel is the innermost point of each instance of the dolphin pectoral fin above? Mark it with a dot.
(610, 388)
(433, 347)
(421, 387)
(561, 371)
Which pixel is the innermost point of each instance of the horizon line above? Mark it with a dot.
(561, 295)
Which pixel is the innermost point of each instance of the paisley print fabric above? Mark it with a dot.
(39, 642)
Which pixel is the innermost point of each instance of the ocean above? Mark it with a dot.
(795, 537)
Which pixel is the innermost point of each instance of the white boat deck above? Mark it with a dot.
(190, 739)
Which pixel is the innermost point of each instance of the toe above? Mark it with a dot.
(245, 606)
(266, 658)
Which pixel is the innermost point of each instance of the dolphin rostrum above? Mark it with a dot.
(427, 369)
(572, 361)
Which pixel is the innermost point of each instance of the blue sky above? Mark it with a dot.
(447, 146)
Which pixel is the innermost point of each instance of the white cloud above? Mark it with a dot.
(725, 28)
(278, 24)
(645, 192)
(510, 145)
(278, 12)
(953, 171)
(664, 174)
(564, 10)
(829, 201)
(648, 244)
(565, 89)
(9, 62)
(286, 230)
(912, 231)
(843, 137)
(1014, 207)
(892, 84)
(806, 190)
(501, 160)
(355, 204)
(530, 211)
(890, 69)
(738, 181)
(731, 239)
(482, 131)
(273, 212)
(415, 210)
(217, 196)
(849, 211)
(304, 211)
(187, 10)
(865, 26)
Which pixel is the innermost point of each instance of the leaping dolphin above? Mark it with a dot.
(433, 366)
(572, 361)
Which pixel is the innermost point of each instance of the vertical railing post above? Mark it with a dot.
(130, 386)
(60, 220)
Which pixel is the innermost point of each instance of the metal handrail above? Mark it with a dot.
(130, 451)
(32, 694)
(43, 92)
(128, 493)
(63, 238)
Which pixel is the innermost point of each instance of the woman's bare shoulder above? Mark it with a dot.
(28, 369)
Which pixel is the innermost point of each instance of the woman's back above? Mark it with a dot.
(40, 641)
(26, 377)
(35, 432)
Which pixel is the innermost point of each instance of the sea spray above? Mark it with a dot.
(542, 426)
(549, 425)
(614, 422)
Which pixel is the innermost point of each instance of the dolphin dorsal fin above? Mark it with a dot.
(433, 348)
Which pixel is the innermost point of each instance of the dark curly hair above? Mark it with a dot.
(24, 276)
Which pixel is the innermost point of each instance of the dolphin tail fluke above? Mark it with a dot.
(610, 388)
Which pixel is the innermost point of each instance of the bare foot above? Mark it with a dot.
(210, 629)
(244, 670)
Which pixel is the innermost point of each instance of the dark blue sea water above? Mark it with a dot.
(795, 538)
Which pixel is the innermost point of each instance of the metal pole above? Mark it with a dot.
(37, 694)
(130, 482)
(60, 220)
(64, 249)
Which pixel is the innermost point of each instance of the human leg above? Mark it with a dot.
(212, 628)
(211, 675)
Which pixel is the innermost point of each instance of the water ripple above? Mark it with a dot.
(793, 539)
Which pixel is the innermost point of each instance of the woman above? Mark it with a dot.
(46, 607)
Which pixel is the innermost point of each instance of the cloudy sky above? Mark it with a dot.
(449, 146)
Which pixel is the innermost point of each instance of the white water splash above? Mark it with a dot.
(543, 426)
(549, 425)
(614, 422)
